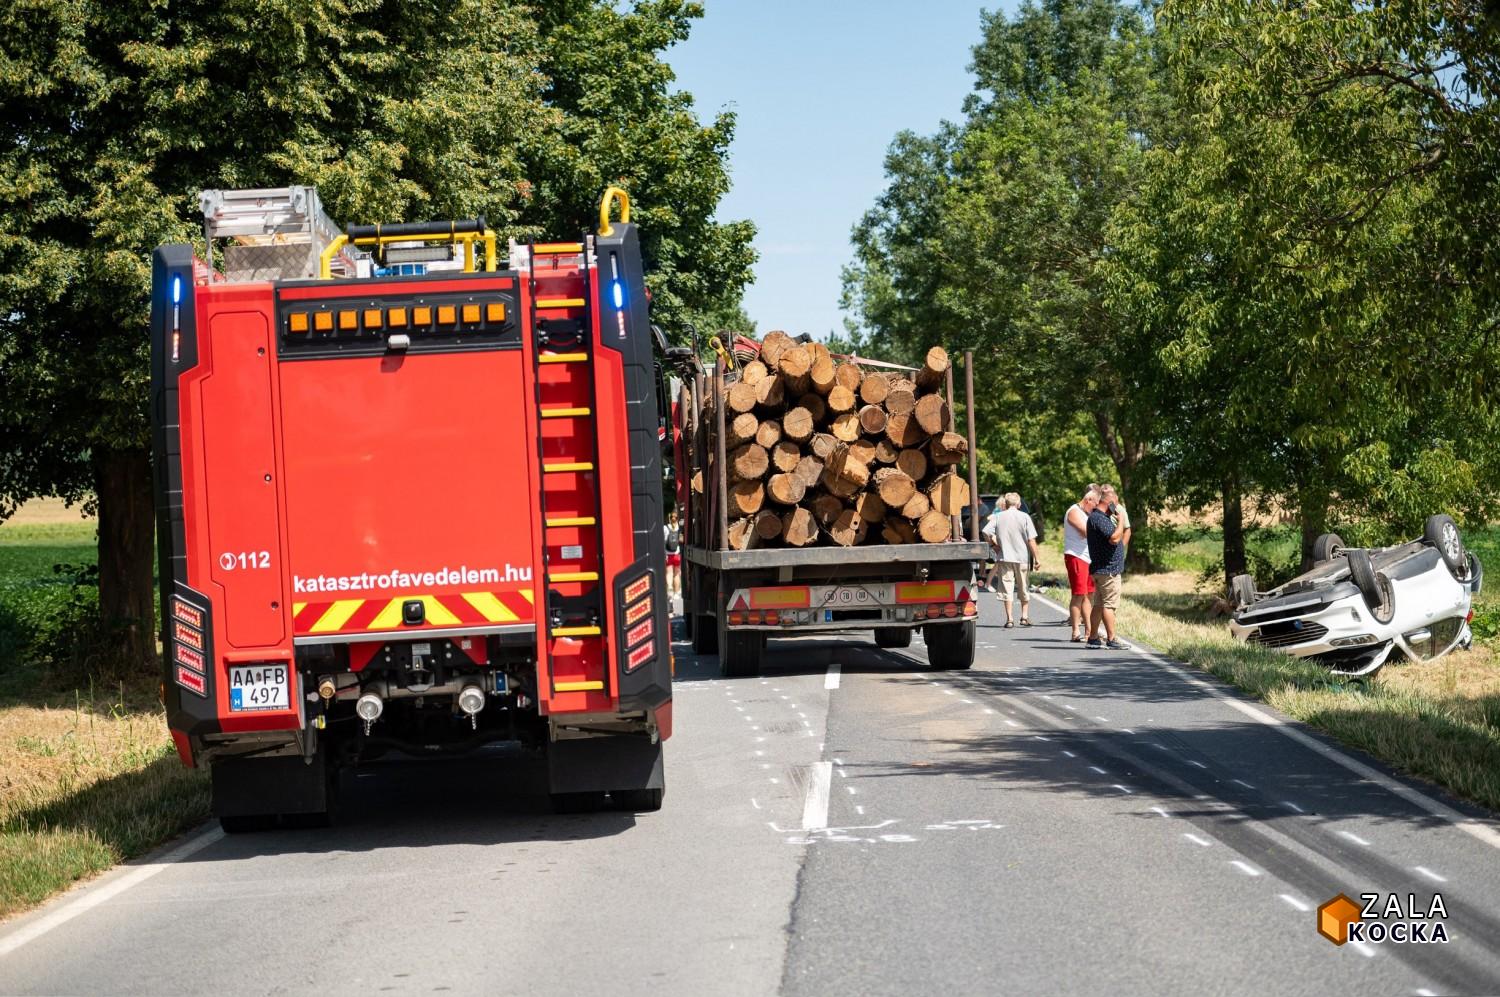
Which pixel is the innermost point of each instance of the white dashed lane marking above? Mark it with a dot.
(1354, 838)
(1197, 840)
(1245, 867)
(1430, 874)
(1295, 903)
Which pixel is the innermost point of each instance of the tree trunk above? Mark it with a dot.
(1312, 513)
(1234, 530)
(127, 529)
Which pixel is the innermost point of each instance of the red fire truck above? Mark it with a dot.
(407, 499)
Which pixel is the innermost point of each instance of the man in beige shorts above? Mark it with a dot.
(1013, 534)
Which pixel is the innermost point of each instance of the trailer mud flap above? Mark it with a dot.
(290, 784)
(603, 764)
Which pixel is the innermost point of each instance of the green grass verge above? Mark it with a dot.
(88, 782)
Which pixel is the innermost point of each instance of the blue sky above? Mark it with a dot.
(820, 88)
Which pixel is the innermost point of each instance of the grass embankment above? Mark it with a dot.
(1439, 720)
(88, 775)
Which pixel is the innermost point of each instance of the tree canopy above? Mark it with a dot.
(117, 115)
(1253, 242)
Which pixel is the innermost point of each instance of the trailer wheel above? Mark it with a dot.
(893, 637)
(950, 647)
(638, 800)
(740, 651)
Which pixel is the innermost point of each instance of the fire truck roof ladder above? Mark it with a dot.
(573, 646)
(276, 233)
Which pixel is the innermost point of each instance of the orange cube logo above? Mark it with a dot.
(1334, 918)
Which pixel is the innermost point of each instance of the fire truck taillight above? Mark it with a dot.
(447, 315)
(494, 312)
(641, 623)
(470, 314)
(373, 318)
(421, 316)
(396, 318)
(297, 322)
(189, 614)
(348, 320)
(187, 635)
(323, 321)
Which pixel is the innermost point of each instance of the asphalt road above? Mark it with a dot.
(1055, 821)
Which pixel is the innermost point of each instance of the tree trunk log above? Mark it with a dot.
(824, 444)
(849, 376)
(770, 392)
(902, 430)
(870, 506)
(840, 399)
(934, 527)
(862, 451)
(786, 489)
(785, 456)
(916, 507)
(848, 529)
(932, 414)
(902, 398)
(934, 371)
(773, 346)
(742, 396)
(741, 531)
(809, 469)
(822, 372)
(798, 528)
(896, 488)
(768, 433)
(815, 405)
(1234, 530)
(753, 372)
(872, 420)
(767, 525)
(846, 427)
(912, 463)
(948, 448)
(949, 494)
(898, 531)
(741, 429)
(797, 424)
(826, 508)
(874, 388)
(747, 497)
(750, 463)
(886, 452)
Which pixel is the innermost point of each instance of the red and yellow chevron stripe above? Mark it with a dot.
(365, 615)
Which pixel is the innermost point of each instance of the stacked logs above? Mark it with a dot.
(823, 451)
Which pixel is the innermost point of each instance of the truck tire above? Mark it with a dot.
(1442, 532)
(740, 651)
(638, 800)
(705, 634)
(1373, 585)
(1242, 591)
(950, 646)
(1327, 547)
(893, 637)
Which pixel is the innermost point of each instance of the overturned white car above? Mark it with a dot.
(1358, 605)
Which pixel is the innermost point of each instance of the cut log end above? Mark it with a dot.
(934, 527)
(798, 528)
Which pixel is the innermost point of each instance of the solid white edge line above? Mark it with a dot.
(1294, 902)
(105, 892)
(815, 808)
(831, 680)
(1245, 867)
(1471, 826)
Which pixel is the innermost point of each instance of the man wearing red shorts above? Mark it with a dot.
(1076, 557)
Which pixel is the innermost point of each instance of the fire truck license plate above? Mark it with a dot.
(259, 687)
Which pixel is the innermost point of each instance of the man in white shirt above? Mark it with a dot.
(1013, 535)
(1076, 558)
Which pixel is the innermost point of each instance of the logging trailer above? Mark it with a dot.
(735, 600)
(407, 499)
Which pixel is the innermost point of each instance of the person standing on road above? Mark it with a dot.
(1115, 506)
(1076, 560)
(672, 540)
(1016, 556)
(1106, 564)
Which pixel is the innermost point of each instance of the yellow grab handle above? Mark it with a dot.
(612, 194)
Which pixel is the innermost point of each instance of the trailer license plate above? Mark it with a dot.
(259, 687)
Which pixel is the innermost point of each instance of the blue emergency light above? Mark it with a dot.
(619, 294)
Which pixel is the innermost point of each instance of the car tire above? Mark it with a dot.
(1442, 532)
(893, 637)
(1373, 586)
(1327, 547)
(1242, 591)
